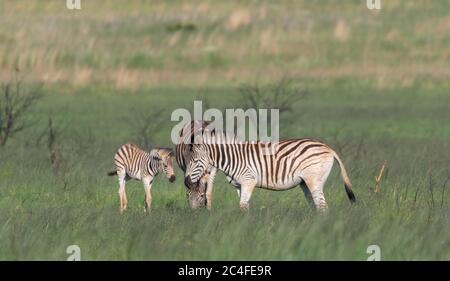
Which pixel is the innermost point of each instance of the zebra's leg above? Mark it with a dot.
(122, 193)
(238, 191)
(236, 185)
(209, 188)
(315, 179)
(148, 195)
(315, 182)
(307, 193)
(315, 188)
(245, 195)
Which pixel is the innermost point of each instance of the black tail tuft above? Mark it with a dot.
(113, 173)
(350, 194)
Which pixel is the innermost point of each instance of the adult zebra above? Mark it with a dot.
(270, 165)
(198, 194)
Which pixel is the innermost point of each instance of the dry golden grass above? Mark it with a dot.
(134, 44)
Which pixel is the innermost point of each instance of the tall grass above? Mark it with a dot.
(378, 84)
(160, 42)
(44, 212)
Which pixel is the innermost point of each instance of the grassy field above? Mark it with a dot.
(379, 89)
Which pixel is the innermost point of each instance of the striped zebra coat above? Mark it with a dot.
(201, 193)
(270, 165)
(135, 163)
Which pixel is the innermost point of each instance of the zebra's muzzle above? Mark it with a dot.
(188, 181)
(172, 178)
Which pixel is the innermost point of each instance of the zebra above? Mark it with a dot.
(197, 194)
(306, 162)
(134, 163)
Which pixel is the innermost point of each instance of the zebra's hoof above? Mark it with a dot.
(322, 210)
(244, 207)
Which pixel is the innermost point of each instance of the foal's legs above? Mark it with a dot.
(148, 195)
(122, 194)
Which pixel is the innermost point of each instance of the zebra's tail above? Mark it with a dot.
(113, 173)
(347, 183)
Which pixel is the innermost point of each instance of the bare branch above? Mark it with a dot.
(378, 178)
(443, 191)
(15, 103)
(282, 95)
(146, 126)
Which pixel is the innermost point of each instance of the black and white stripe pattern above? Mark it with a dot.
(201, 193)
(304, 162)
(135, 163)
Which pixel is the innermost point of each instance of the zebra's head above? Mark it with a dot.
(197, 165)
(196, 193)
(164, 156)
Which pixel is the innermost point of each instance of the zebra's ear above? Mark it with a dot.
(156, 157)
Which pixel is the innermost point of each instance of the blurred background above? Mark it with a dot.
(152, 43)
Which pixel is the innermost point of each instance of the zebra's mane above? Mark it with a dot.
(163, 151)
(215, 136)
(166, 151)
(202, 132)
(192, 128)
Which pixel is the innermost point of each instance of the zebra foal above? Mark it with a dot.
(134, 163)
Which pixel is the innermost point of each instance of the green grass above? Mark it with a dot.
(43, 213)
(379, 90)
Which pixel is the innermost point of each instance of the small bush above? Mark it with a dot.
(16, 102)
